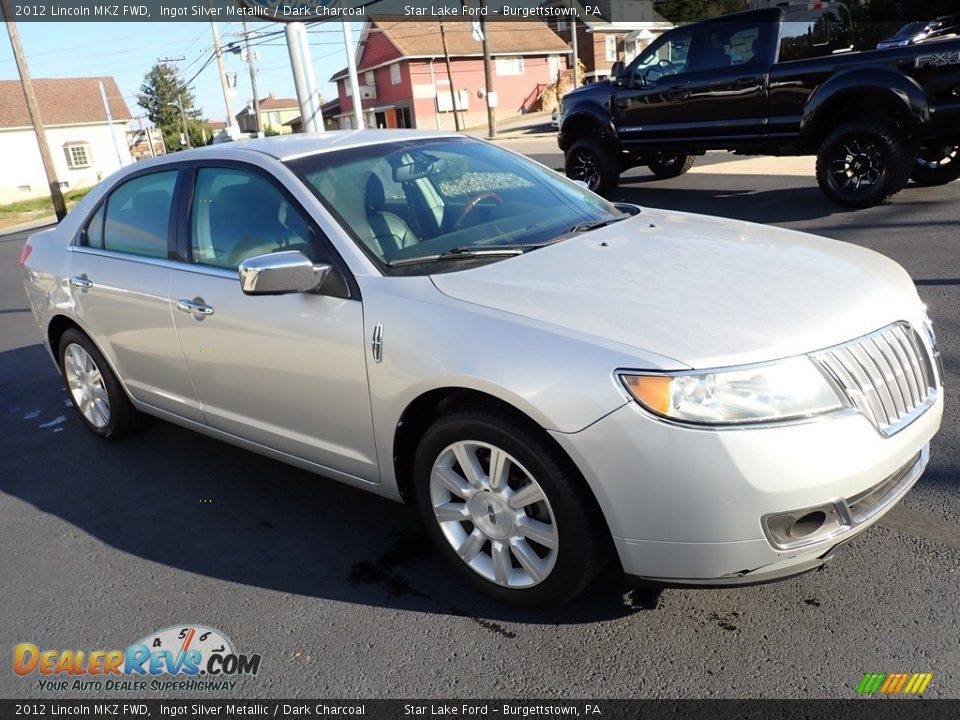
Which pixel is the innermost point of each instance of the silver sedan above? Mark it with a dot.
(556, 381)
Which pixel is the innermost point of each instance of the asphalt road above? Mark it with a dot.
(338, 591)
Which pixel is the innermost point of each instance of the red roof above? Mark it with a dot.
(62, 101)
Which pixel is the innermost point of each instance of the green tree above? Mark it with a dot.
(159, 95)
(684, 11)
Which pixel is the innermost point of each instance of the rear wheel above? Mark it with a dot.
(94, 390)
(863, 162)
(937, 165)
(670, 166)
(513, 518)
(593, 162)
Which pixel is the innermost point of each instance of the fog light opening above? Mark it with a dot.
(807, 525)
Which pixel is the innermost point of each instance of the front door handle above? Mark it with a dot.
(677, 92)
(747, 82)
(194, 307)
(82, 282)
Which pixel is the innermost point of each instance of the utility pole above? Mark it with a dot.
(113, 133)
(223, 73)
(453, 91)
(59, 205)
(252, 63)
(576, 54)
(354, 80)
(183, 119)
(304, 79)
(491, 95)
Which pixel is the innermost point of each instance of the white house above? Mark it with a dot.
(84, 149)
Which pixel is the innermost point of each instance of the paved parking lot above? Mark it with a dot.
(338, 591)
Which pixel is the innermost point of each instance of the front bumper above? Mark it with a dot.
(686, 506)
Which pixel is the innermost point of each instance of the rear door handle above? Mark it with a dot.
(194, 307)
(82, 282)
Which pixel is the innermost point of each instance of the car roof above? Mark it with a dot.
(285, 147)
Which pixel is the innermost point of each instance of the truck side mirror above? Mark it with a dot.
(616, 73)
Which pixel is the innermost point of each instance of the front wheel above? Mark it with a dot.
(863, 162)
(937, 165)
(665, 167)
(510, 515)
(594, 163)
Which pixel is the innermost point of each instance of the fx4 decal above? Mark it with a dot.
(938, 59)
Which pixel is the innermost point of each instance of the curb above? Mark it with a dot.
(50, 220)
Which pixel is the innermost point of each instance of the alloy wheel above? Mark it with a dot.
(858, 165)
(585, 167)
(494, 514)
(937, 157)
(86, 386)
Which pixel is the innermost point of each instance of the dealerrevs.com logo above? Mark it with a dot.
(182, 657)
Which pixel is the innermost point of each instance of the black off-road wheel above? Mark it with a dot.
(593, 161)
(507, 510)
(937, 165)
(665, 166)
(864, 162)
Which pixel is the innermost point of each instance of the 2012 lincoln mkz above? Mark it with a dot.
(557, 382)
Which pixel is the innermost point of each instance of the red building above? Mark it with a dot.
(404, 82)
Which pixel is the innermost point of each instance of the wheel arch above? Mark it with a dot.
(861, 93)
(584, 120)
(58, 325)
(423, 410)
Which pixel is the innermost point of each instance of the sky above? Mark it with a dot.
(127, 51)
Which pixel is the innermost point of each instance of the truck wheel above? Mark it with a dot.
(937, 165)
(593, 162)
(863, 162)
(669, 166)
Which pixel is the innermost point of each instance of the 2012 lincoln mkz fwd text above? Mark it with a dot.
(556, 381)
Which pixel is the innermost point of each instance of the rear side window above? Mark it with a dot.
(815, 33)
(137, 217)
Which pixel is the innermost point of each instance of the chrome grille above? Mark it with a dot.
(887, 375)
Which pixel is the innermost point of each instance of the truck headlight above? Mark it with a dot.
(786, 390)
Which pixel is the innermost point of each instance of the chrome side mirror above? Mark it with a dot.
(280, 273)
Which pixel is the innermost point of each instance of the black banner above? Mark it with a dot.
(126, 709)
(591, 11)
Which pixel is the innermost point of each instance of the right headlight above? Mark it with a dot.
(786, 390)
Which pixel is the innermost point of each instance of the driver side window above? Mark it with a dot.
(662, 58)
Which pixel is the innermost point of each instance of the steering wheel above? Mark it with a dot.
(472, 205)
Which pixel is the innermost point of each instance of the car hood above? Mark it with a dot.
(704, 291)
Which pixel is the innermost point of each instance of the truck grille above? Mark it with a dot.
(887, 375)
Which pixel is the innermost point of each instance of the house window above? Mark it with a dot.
(395, 74)
(610, 47)
(78, 155)
(347, 88)
(561, 25)
(509, 65)
(273, 118)
(23, 188)
(368, 77)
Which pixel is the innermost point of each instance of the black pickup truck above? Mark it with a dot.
(777, 81)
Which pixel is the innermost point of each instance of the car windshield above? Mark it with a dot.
(442, 204)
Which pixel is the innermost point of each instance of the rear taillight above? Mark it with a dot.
(25, 253)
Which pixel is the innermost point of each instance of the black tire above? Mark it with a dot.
(123, 417)
(864, 162)
(593, 161)
(665, 166)
(582, 547)
(937, 165)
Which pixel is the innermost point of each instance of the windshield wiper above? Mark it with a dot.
(462, 252)
(594, 224)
